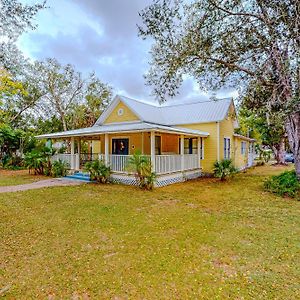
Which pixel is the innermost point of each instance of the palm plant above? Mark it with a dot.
(224, 169)
(59, 168)
(39, 161)
(98, 170)
(141, 166)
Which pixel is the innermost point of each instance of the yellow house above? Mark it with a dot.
(183, 141)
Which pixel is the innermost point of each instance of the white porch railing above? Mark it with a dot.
(167, 163)
(190, 161)
(118, 163)
(68, 158)
(164, 164)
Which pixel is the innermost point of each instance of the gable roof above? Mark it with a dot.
(179, 114)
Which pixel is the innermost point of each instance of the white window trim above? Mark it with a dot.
(118, 138)
(243, 147)
(230, 145)
(120, 111)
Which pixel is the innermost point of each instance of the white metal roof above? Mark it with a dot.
(123, 127)
(179, 114)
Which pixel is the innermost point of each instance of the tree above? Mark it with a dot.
(61, 86)
(66, 94)
(229, 43)
(267, 128)
(9, 87)
(17, 96)
(9, 140)
(269, 124)
(15, 18)
(97, 96)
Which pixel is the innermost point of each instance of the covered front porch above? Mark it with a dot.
(171, 150)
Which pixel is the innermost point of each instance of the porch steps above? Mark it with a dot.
(80, 176)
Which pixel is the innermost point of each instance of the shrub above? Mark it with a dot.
(142, 168)
(39, 161)
(285, 184)
(98, 170)
(59, 168)
(13, 162)
(224, 169)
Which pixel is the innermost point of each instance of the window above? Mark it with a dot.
(120, 111)
(120, 146)
(190, 146)
(226, 148)
(243, 148)
(157, 145)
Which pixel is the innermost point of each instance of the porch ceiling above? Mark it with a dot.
(128, 127)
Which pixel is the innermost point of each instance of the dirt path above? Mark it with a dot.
(39, 184)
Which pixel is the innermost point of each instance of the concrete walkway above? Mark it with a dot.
(40, 184)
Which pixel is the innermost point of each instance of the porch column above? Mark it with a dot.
(72, 153)
(199, 151)
(152, 148)
(79, 145)
(78, 153)
(182, 151)
(106, 149)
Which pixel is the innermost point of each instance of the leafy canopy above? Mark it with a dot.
(223, 42)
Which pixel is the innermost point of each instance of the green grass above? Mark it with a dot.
(201, 239)
(10, 177)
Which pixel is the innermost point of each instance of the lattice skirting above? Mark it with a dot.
(123, 179)
(162, 180)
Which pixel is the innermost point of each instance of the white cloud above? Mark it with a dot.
(100, 35)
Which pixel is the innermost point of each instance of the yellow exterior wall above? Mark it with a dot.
(210, 143)
(135, 141)
(227, 131)
(170, 143)
(241, 160)
(96, 146)
(147, 143)
(141, 141)
(128, 115)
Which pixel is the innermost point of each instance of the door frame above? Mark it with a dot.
(119, 138)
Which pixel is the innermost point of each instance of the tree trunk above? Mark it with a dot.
(279, 151)
(292, 126)
(64, 123)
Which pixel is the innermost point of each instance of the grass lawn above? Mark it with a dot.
(201, 239)
(10, 177)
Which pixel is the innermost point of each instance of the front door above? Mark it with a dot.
(120, 146)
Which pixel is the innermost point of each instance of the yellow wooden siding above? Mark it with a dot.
(96, 146)
(210, 143)
(127, 115)
(241, 160)
(139, 141)
(227, 131)
(147, 143)
(135, 141)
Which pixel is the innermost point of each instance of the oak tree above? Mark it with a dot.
(229, 43)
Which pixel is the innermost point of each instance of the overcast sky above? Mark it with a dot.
(100, 36)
